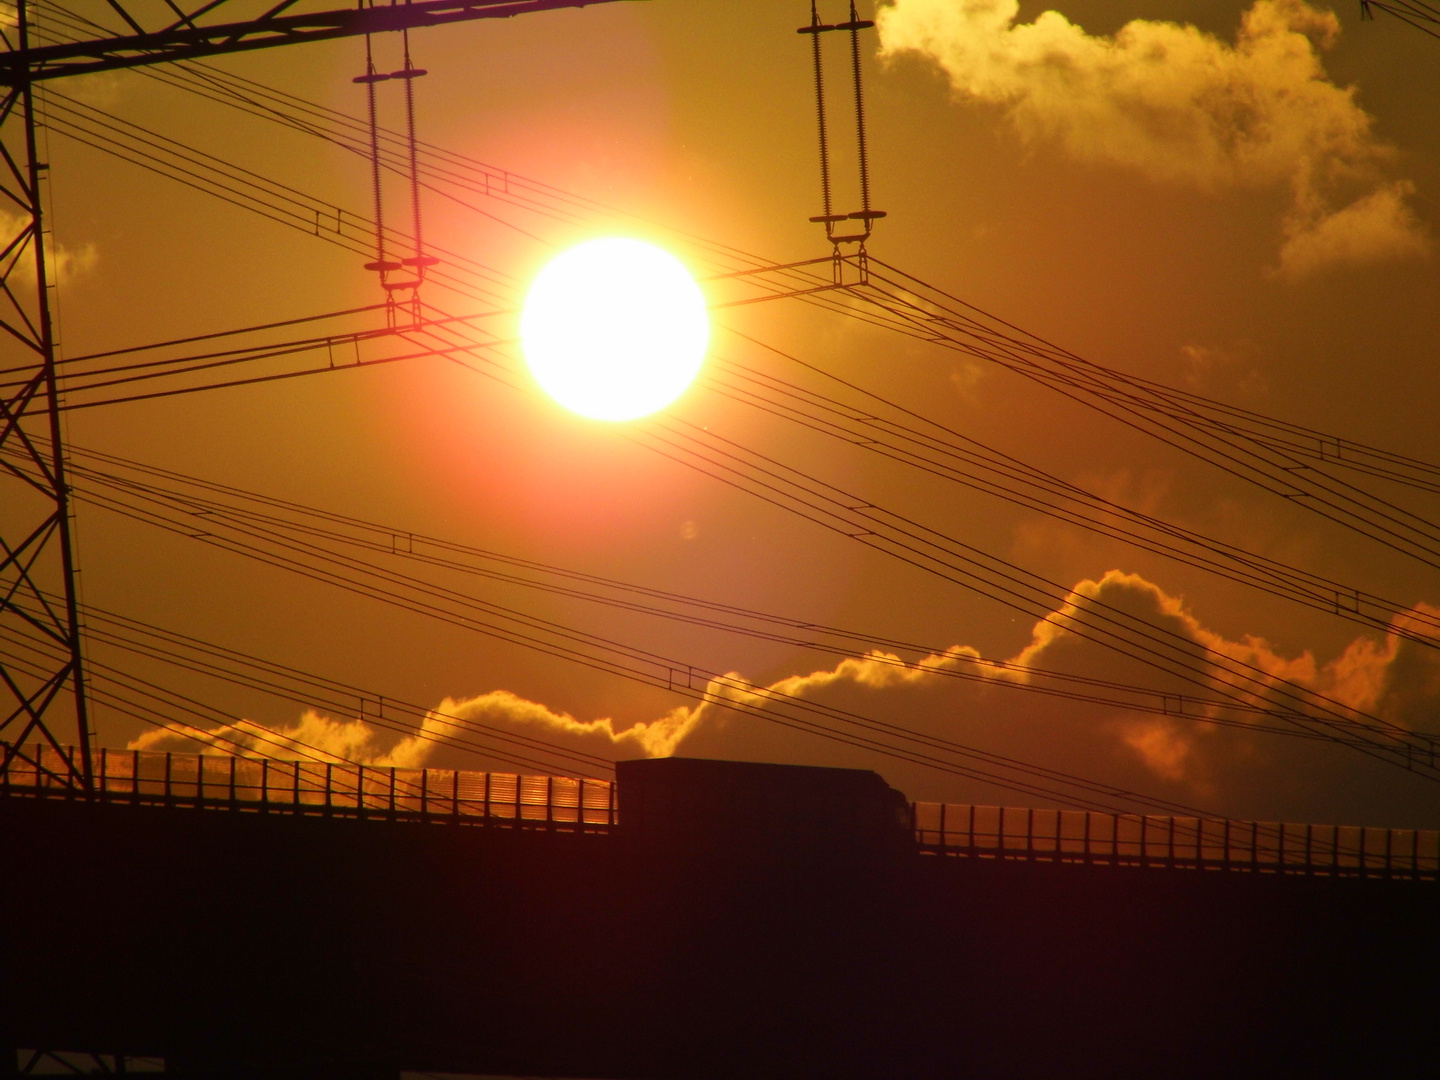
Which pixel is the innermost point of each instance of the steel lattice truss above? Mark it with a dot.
(212, 29)
(42, 686)
(36, 556)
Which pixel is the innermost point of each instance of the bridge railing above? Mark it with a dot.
(335, 789)
(1267, 847)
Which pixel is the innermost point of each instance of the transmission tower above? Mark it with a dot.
(40, 699)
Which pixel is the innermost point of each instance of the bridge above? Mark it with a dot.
(221, 917)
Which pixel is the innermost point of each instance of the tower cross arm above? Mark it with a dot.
(189, 42)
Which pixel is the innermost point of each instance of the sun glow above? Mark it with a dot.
(614, 329)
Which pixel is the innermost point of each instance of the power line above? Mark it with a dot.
(616, 658)
(259, 525)
(732, 619)
(937, 450)
(1054, 598)
(765, 474)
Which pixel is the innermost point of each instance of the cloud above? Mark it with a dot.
(1393, 678)
(1234, 369)
(1372, 229)
(1180, 105)
(655, 738)
(66, 264)
(355, 741)
(1164, 749)
(313, 736)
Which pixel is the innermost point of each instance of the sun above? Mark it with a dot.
(614, 329)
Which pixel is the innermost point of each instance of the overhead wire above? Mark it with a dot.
(945, 453)
(854, 517)
(292, 684)
(1054, 598)
(1415, 13)
(1129, 402)
(939, 450)
(281, 107)
(410, 546)
(616, 658)
(1242, 706)
(280, 376)
(775, 462)
(1334, 511)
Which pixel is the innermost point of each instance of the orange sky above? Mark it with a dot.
(1245, 211)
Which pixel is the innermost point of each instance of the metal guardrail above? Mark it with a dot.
(571, 804)
(338, 789)
(1194, 843)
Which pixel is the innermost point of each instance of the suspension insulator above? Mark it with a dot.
(865, 215)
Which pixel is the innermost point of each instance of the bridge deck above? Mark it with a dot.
(569, 804)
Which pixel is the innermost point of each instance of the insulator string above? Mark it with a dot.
(820, 115)
(370, 78)
(375, 156)
(410, 74)
(859, 115)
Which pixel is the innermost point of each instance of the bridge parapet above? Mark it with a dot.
(584, 804)
(311, 788)
(1192, 843)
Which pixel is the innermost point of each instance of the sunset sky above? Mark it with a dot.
(1233, 199)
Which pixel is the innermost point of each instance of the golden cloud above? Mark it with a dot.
(1393, 678)
(65, 263)
(1180, 105)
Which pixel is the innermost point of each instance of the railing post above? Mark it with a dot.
(486, 806)
(392, 792)
(296, 792)
(972, 830)
(264, 785)
(550, 802)
(1170, 845)
(942, 826)
(424, 793)
(234, 801)
(455, 796)
(329, 787)
(199, 781)
(168, 801)
(104, 754)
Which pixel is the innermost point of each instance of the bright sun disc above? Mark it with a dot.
(614, 329)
